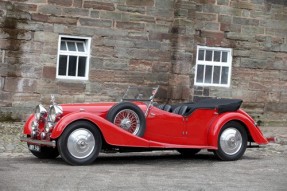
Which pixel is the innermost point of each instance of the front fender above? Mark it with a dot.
(239, 116)
(27, 126)
(112, 134)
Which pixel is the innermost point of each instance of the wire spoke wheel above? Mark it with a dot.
(128, 120)
(129, 117)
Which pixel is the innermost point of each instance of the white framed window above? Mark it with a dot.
(213, 66)
(73, 57)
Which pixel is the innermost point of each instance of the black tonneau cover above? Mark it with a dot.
(222, 105)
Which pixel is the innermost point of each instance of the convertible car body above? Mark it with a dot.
(78, 132)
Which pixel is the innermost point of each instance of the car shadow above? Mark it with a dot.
(154, 158)
(142, 158)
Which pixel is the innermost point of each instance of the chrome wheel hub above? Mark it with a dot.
(128, 120)
(126, 123)
(81, 143)
(230, 141)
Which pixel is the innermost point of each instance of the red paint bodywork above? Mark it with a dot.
(163, 129)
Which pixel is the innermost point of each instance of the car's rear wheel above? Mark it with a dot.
(188, 152)
(129, 117)
(45, 153)
(80, 143)
(232, 142)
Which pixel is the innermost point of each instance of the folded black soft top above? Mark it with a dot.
(222, 105)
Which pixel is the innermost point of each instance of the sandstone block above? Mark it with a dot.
(110, 15)
(130, 26)
(148, 3)
(251, 30)
(131, 9)
(49, 10)
(157, 28)
(245, 21)
(225, 19)
(206, 16)
(161, 66)
(71, 88)
(243, 5)
(42, 36)
(166, 5)
(66, 3)
(39, 17)
(96, 22)
(62, 20)
(78, 3)
(19, 15)
(276, 107)
(19, 84)
(99, 5)
(25, 7)
(140, 65)
(75, 12)
(116, 64)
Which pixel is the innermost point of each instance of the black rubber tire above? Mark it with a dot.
(127, 105)
(63, 147)
(188, 152)
(227, 157)
(46, 153)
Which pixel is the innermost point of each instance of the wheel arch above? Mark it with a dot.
(253, 132)
(73, 118)
(92, 123)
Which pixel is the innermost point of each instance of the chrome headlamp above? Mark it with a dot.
(40, 112)
(55, 112)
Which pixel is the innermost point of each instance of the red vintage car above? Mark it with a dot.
(78, 132)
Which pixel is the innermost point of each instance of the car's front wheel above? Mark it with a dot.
(232, 142)
(80, 143)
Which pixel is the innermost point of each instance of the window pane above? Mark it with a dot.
(216, 56)
(72, 65)
(199, 77)
(208, 56)
(62, 65)
(201, 55)
(63, 45)
(216, 74)
(71, 46)
(224, 75)
(224, 56)
(82, 67)
(80, 47)
(208, 73)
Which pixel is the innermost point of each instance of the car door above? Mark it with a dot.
(165, 127)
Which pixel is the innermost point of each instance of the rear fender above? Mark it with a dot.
(239, 116)
(112, 134)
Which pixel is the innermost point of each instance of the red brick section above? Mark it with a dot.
(25, 7)
(49, 72)
(39, 17)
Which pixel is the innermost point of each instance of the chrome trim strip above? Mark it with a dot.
(38, 142)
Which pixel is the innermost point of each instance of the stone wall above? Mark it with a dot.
(144, 42)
